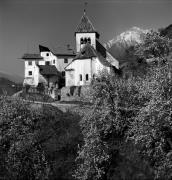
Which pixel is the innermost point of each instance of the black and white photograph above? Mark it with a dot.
(85, 89)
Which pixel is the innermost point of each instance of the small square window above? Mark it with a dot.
(65, 60)
(47, 54)
(30, 63)
(47, 63)
(30, 73)
(63, 73)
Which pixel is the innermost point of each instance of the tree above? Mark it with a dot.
(153, 46)
(106, 153)
(151, 130)
(40, 88)
(22, 155)
(37, 141)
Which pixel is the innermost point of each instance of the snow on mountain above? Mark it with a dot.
(132, 36)
(118, 45)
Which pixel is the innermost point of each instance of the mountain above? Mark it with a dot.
(121, 46)
(11, 77)
(10, 83)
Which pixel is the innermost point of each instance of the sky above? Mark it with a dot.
(24, 24)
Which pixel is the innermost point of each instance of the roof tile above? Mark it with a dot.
(32, 56)
(85, 25)
(48, 70)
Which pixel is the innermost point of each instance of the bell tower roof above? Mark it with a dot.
(85, 25)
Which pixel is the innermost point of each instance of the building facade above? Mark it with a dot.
(91, 56)
(75, 69)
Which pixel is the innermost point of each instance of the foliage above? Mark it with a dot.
(21, 152)
(152, 128)
(106, 152)
(37, 141)
(127, 133)
(153, 46)
(40, 88)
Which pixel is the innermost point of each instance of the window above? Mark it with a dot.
(30, 63)
(89, 40)
(30, 73)
(47, 63)
(86, 77)
(82, 41)
(80, 77)
(54, 61)
(63, 73)
(85, 40)
(65, 60)
(47, 54)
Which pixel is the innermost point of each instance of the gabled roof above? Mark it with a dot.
(43, 49)
(48, 70)
(86, 52)
(101, 49)
(65, 55)
(32, 57)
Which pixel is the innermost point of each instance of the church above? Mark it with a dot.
(91, 56)
(77, 69)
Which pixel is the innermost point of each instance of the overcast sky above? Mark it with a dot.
(24, 24)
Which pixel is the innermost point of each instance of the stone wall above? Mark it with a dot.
(75, 93)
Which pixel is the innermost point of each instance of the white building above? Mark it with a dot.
(46, 67)
(91, 57)
(77, 70)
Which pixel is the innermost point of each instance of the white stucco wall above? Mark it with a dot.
(49, 56)
(82, 67)
(92, 36)
(61, 64)
(34, 78)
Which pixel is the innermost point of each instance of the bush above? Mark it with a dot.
(127, 132)
(37, 142)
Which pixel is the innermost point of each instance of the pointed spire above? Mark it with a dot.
(85, 8)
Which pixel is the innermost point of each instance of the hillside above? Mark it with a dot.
(9, 87)
(11, 77)
(167, 31)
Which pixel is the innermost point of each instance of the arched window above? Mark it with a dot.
(82, 41)
(80, 77)
(89, 41)
(85, 40)
(86, 77)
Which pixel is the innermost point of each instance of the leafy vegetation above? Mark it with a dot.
(127, 132)
(37, 142)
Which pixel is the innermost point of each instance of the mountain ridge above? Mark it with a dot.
(11, 77)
